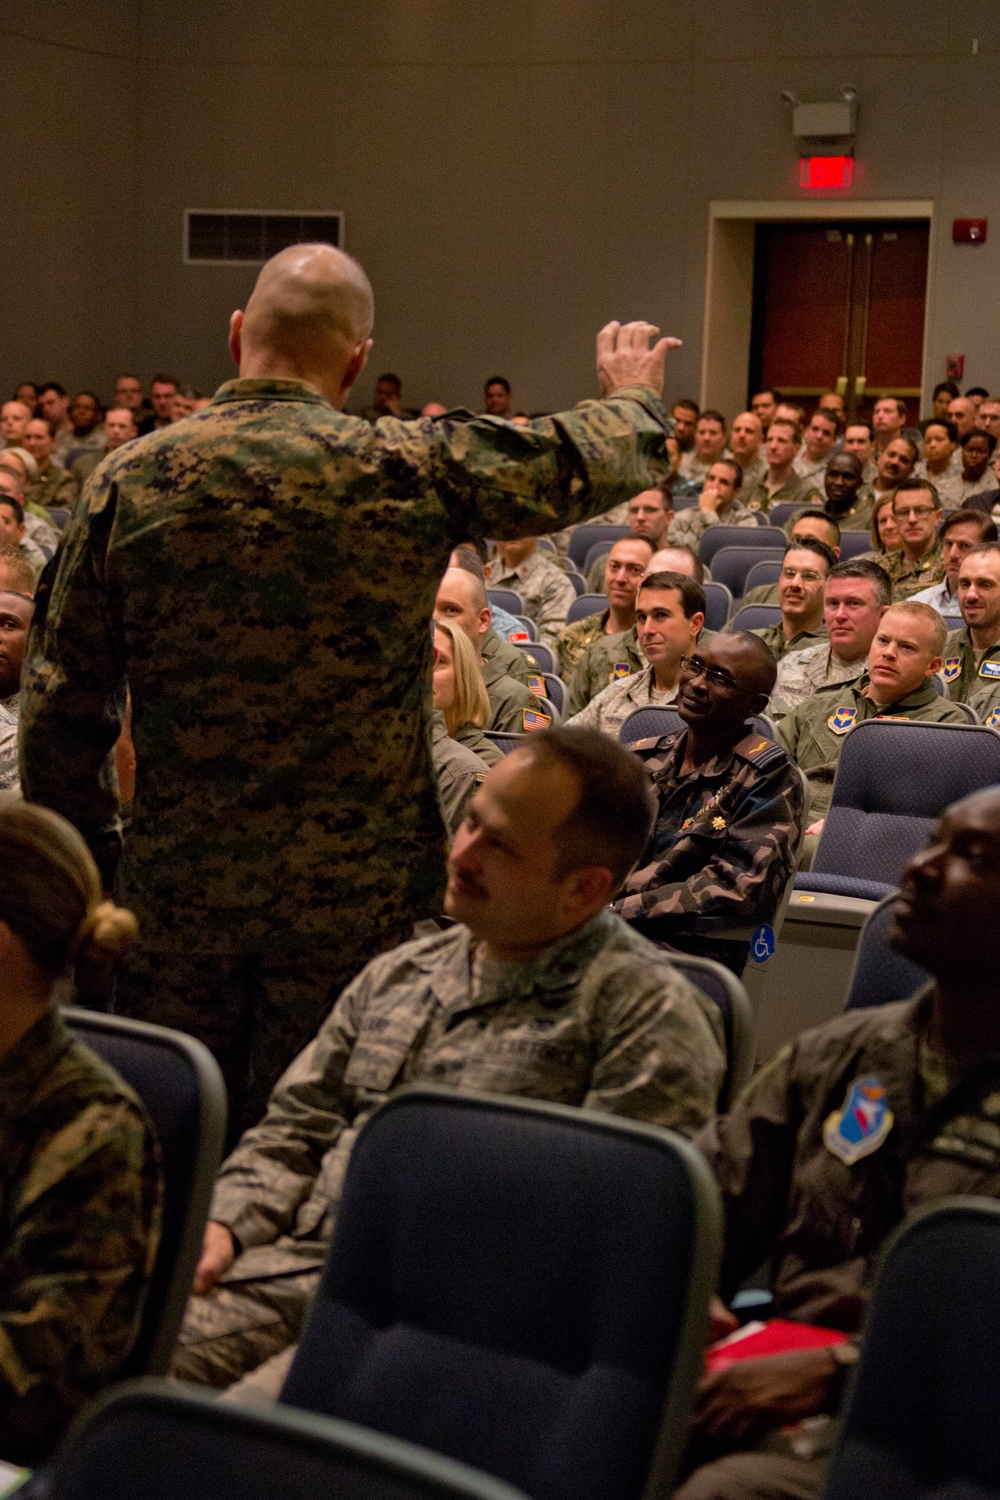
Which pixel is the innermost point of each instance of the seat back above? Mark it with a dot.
(717, 537)
(577, 580)
(754, 616)
(473, 1300)
(179, 1082)
(762, 574)
(58, 516)
(718, 605)
(644, 723)
(587, 536)
(154, 1440)
(894, 779)
(505, 743)
(781, 514)
(921, 1417)
(508, 599)
(853, 543)
(725, 990)
(732, 566)
(555, 689)
(587, 604)
(547, 706)
(598, 551)
(541, 657)
(880, 974)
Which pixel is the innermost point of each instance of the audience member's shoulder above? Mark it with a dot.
(415, 956)
(763, 753)
(834, 1042)
(80, 1078)
(625, 956)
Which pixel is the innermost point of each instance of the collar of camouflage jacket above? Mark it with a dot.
(919, 698)
(552, 974)
(270, 388)
(30, 1059)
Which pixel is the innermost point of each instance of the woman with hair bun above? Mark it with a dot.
(80, 1183)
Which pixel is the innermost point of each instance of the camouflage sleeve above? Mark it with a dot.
(689, 526)
(80, 1244)
(585, 684)
(73, 690)
(502, 481)
(751, 1150)
(262, 1184)
(8, 753)
(663, 1060)
(589, 716)
(744, 871)
(550, 614)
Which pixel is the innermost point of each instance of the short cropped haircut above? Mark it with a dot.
(52, 385)
(692, 594)
(825, 416)
(795, 427)
(815, 513)
(987, 526)
(915, 483)
(813, 544)
(983, 547)
(977, 390)
(865, 568)
(920, 611)
(944, 422)
(946, 385)
(731, 463)
(860, 422)
(768, 390)
(390, 379)
(496, 380)
(613, 818)
(711, 415)
(14, 505)
(687, 405)
(468, 559)
(161, 379)
(17, 570)
(766, 659)
(980, 432)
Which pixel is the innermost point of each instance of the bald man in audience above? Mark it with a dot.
(267, 602)
(730, 809)
(461, 601)
(119, 427)
(624, 567)
(503, 627)
(611, 657)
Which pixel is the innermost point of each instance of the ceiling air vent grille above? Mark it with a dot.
(227, 237)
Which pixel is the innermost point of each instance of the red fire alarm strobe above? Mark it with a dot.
(954, 366)
(969, 231)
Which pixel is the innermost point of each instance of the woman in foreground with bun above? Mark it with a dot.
(80, 1183)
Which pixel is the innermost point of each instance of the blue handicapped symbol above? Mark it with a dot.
(762, 944)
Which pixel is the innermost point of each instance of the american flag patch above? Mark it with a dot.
(533, 719)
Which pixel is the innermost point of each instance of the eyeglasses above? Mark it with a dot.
(693, 666)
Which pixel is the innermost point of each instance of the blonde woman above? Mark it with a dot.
(460, 692)
(79, 1166)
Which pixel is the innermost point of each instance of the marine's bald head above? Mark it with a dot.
(308, 317)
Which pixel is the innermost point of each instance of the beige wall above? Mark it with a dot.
(512, 174)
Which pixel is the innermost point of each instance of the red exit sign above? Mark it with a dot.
(826, 171)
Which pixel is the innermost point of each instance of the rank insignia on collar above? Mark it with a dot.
(862, 1123)
(536, 684)
(718, 824)
(992, 720)
(951, 668)
(990, 669)
(619, 670)
(842, 720)
(534, 719)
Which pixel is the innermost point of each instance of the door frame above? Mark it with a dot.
(725, 338)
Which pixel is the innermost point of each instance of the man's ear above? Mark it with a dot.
(936, 664)
(590, 886)
(697, 621)
(236, 337)
(358, 361)
(485, 619)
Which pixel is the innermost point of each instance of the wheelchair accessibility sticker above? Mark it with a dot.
(762, 944)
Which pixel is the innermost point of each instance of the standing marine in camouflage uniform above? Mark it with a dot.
(554, 999)
(730, 811)
(262, 574)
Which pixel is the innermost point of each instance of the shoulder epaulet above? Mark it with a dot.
(651, 742)
(761, 751)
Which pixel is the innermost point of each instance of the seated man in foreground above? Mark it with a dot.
(729, 810)
(849, 1128)
(538, 990)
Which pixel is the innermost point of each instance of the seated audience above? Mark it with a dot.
(537, 990)
(895, 464)
(903, 658)
(27, 392)
(781, 485)
(988, 416)
(612, 657)
(833, 402)
(804, 570)
(623, 570)
(685, 416)
(764, 406)
(942, 461)
(888, 421)
(52, 485)
(128, 393)
(649, 515)
(918, 561)
(958, 534)
(53, 405)
(812, 522)
(185, 402)
(12, 525)
(496, 643)
(884, 531)
(14, 419)
(859, 439)
(544, 588)
(729, 810)
(709, 445)
(80, 1168)
(842, 485)
(459, 692)
(496, 397)
(977, 476)
(719, 504)
(945, 393)
(16, 610)
(458, 773)
(855, 597)
(818, 442)
(669, 614)
(119, 427)
(746, 440)
(851, 1127)
(461, 601)
(86, 435)
(963, 413)
(162, 391)
(972, 655)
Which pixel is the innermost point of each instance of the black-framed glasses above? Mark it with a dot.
(693, 666)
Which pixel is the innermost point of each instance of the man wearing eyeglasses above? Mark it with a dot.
(919, 561)
(730, 810)
(804, 570)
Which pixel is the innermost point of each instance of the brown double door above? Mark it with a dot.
(840, 307)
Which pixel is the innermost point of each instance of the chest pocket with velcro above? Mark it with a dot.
(386, 1039)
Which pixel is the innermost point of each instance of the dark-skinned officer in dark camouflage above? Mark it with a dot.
(261, 575)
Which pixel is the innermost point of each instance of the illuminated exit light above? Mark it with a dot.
(826, 171)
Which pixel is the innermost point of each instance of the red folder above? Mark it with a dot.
(778, 1336)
